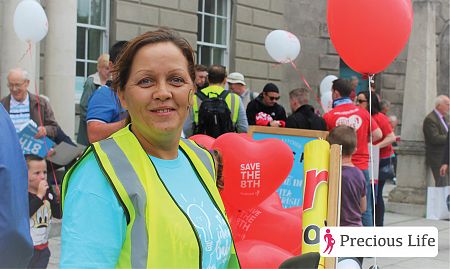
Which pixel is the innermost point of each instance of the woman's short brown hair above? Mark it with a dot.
(121, 70)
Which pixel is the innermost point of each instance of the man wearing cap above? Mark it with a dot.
(264, 110)
(237, 84)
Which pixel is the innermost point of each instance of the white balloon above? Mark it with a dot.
(30, 21)
(348, 264)
(327, 101)
(282, 46)
(327, 83)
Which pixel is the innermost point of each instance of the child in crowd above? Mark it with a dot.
(43, 206)
(353, 183)
(353, 188)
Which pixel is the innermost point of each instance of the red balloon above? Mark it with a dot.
(203, 140)
(252, 170)
(268, 224)
(369, 34)
(273, 200)
(257, 254)
(296, 211)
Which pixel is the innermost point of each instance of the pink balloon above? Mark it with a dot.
(369, 34)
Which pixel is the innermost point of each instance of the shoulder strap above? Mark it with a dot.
(201, 95)
(224, 94)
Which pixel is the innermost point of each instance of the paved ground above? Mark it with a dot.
(441, 261)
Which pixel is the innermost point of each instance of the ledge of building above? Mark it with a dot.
(408, 147)
(406, 209)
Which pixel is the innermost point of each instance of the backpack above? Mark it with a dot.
(214, 115)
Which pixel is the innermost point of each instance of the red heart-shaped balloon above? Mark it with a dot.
(203, 140)
(258, 254)
(252, 170)
(269, 223)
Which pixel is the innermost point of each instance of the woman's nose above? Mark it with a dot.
(163, 92)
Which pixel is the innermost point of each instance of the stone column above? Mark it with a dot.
(420, 91)
(12, 49)
(60, 56)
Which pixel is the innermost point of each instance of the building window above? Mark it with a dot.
(213, 32)
(92, 39)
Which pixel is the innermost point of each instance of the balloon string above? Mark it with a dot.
(372, 179)
(307, 85)
(28, 51)
(41, 122)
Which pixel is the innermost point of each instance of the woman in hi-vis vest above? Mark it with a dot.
(144, 197)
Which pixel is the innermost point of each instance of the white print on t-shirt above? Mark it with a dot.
(264, 116)
(353, 121)
(40, 224)
(213, 231)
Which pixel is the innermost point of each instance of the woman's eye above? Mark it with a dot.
(145, 83)
(177, 81)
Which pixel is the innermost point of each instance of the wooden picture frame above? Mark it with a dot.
(334, 173)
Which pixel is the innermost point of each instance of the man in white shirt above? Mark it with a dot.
(236, 82)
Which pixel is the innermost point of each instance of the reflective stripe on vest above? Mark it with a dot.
(132, 185)
(152, 240)
(232, 101)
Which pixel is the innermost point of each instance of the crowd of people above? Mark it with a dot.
(146, 97)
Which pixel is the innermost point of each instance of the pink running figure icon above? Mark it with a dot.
(330, 241)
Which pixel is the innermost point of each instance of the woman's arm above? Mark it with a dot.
(94, 225)
(388, 140)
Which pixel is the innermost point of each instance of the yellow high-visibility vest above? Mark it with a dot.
(232, 100)
(159, 234)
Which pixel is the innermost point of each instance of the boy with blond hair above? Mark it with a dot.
(43, 206)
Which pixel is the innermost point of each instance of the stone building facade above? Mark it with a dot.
(239, 28)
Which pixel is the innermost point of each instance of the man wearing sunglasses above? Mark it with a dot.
(264, 110)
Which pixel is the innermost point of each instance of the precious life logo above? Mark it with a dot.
(379, 241)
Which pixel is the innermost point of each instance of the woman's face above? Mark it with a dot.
(361, 101)
(158, 90)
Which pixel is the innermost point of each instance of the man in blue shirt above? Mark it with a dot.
(105, 115)
(16, 247)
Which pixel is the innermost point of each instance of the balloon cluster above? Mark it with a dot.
(30, 21)
(265, 233)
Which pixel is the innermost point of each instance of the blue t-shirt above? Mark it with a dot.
(104, 106)
(193, 199)
(94, 224)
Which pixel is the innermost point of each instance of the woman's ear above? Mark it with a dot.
(190, 96)
(122, 99)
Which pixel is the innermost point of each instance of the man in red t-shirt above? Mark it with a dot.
(344, 112)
